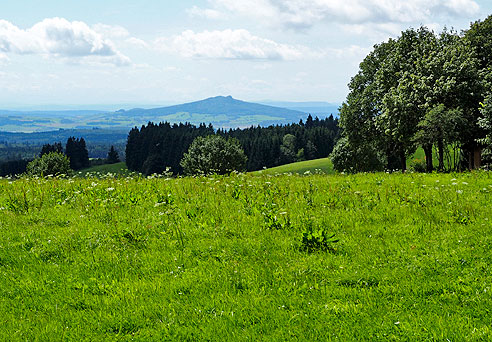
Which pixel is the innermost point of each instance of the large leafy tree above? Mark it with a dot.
(417, 90)
(402, 100)
(214, 154)
(479, 37)
(359, 113)
(450, 90)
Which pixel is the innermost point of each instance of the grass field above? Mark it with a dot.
(337, 257)
(323, 165)
(115, 169)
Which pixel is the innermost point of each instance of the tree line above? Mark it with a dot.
(423, 90)
(155, 147)
(75, 151)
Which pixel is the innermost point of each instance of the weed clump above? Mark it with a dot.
(315, 238)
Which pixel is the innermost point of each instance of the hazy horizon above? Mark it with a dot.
(153, 53)
(127, 106)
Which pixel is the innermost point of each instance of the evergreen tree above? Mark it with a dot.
(48, 148)
(76, 151)
(113, 156)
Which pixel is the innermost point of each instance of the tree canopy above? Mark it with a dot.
(214, 154)
(50, 164)
(419, 90)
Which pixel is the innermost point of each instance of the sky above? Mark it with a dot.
(64, 53)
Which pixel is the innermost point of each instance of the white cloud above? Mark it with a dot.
(228, 44)
(137, 42)
(305, 13)
(462, 7)
(57, 37)
(207, 13)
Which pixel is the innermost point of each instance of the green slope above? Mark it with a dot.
(323, 165)
(118, 168)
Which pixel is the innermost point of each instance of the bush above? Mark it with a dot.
(214, 154)
(349, 158)
(418, 165)
(51, 164)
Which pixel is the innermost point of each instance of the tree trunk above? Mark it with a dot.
(403, 160)
(428, 158)
(440, 148)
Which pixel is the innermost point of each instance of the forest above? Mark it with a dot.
(421, 90)
(155, 147)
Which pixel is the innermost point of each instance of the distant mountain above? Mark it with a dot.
(220, 111)
(318, 108)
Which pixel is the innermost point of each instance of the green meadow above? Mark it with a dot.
(247, 257)
(119, 169)
(323, 165)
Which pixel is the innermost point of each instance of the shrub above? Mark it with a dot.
(53, 163)
(418, 165)
(214, 154)
(349, 158)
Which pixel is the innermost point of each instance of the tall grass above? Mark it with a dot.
(359, 257)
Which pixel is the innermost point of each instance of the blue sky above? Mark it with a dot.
(153, 52)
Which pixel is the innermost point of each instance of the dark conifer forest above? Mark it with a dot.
(155, 147)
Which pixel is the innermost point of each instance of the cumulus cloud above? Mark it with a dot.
(57, 37)
(306, 13)
(228, 44)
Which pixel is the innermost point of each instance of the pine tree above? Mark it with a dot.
(113, 156)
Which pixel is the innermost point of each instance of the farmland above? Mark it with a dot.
(247, 257)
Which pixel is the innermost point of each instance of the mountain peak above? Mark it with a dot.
(220, 98)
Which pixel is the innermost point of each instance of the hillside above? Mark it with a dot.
(322, 165)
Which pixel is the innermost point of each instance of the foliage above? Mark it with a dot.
(262, 145)
(420, 89)
(76, 151)
(317, 239)
(141, 259)
(214, 155)
(13, 167)
(51, 164)
(48, 148)
(154, 164)
(288, 150)
(113, 156)
(364, 157)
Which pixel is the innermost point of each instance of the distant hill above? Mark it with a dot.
(220, 111)
(317, 108)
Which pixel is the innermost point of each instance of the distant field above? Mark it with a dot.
(118, 168)
(318, 165)
(375, 257)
